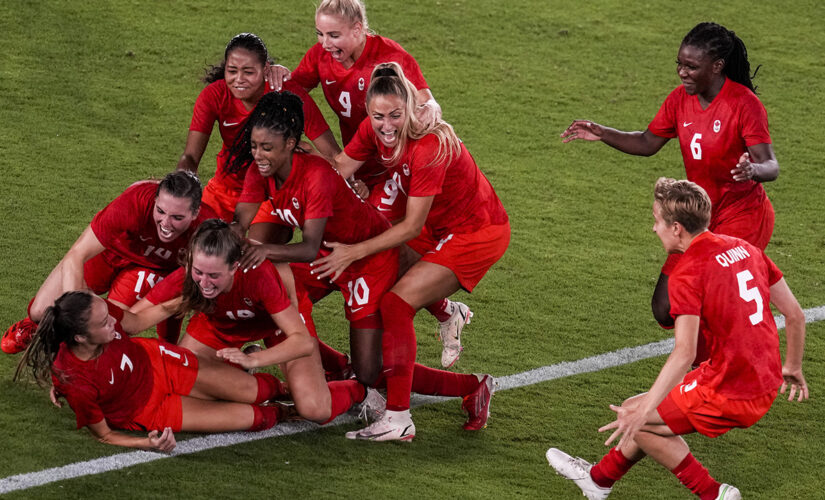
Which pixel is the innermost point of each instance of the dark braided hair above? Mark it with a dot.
(213, 238)
(280, 112)
(721, 43)
(248, 41)
(69, 316)
(183, 184)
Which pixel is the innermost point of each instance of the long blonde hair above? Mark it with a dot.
(388, 80)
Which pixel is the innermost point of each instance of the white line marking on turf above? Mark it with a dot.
(202, 443)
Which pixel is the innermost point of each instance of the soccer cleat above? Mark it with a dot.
(392, 426)
(450, 333)
(372, 407)
(577, 470)
(477, 404)
(728, 492)
(18, 337)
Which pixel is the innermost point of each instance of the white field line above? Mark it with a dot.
(202, 443)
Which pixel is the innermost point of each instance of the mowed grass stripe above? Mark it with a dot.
(544, 374)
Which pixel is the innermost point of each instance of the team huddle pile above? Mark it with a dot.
(398, 221)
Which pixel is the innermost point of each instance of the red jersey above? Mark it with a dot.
(464, 201)
(713, 139)
(315, 190)
(216, 103)
(346, 88)
(726, 282)
(246, 310)
(128, 231)
(115, 385)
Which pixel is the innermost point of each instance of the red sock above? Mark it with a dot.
(305, 309)
(332, 360)
(265, 417)
(442, 383)
(610, 468)
(399, 348)
(268, 387)
(344, 393)
(169, 330)
(696, 478)
(441, 310)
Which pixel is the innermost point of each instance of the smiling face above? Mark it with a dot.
(212, 274)
(699, 72)
(387, 116)
(100, 328)
(271, 152)
(244, 75)
(172, 215)
(343, 40)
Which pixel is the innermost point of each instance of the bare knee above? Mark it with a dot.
(314, 409)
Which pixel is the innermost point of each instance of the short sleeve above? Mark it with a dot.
(664, 123)
(169, 288)
(314, 122)
(254, 187)
(306, 74)
(206, 108)
(270, 289)
(362, 146)
(754, 121)
(426, 178)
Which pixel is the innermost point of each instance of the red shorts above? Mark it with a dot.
(423, 242)
(221, 199)
(174, 371)
(200, 329)
(469, 256)
(754, 226)
(363, 283)
(691, 407)
(133, 283)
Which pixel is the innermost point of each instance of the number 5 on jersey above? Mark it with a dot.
(750, 295)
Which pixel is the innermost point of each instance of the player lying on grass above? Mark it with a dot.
(128, 247)
(113, 381)
(233, 308)
(726, 284)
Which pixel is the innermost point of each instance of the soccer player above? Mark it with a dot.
(447, 192)
(234, 308)
(128, 247)
(722, 129)
(341, 63)
(113, 381)
(726, 284)
(234, 87)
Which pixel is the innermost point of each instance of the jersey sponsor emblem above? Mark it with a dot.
(717, 125)
(406, 169)
(229, 124)
(112, 380)
(247, 301)
(329, 82)
(361, 83)
(295, 203)
(685, 124)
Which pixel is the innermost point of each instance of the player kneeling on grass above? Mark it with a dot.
(724, 284)
(113, 381)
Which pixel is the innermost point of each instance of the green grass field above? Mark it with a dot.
(97, 95)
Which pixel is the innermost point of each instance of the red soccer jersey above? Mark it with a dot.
(245, 311)
(713, 139)
(128, 231)
(464, 201)
(116, 385)
(215, 103)
(726, 282)
(315, 190)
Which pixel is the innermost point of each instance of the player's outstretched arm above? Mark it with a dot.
(783, 298)
(155, 441)
(635, 143)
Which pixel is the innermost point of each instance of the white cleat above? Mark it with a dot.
(728, 492)
(450, 333)
(393, 426)
(577, 470)
(372, 407)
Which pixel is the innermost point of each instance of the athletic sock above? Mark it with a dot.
(268, 387)
(442, 310)
(344, 394)
(434, 382)
(696, 478)
(610, 468)
(332, 360)
(398, 349)
(265, 417)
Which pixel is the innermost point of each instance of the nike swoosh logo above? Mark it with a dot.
(329, 82)
(144, 239)
(384, 209)
(356, 310)
(685, 124)
(112, 380)
(229, 124)
(404, 433)
(185, 360)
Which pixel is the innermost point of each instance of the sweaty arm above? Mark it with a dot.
(193, 151)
